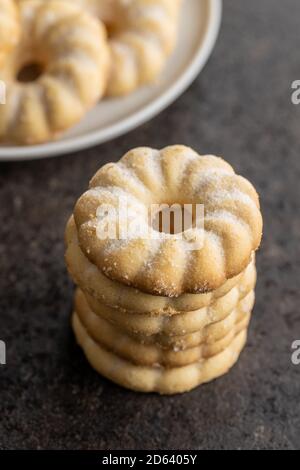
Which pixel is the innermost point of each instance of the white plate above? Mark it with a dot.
(200, 23)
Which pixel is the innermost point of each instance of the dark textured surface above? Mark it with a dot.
(49, 397)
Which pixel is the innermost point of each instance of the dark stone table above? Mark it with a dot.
(239, 107)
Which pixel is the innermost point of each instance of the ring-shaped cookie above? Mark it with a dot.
(157, 379)
(54, 74)
(142, 34)
(163, 263)
(119, 296)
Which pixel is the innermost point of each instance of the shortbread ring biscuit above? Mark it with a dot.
(122, 297)
(171, 331)
(184, 338)
(164, 263)
(181, 323)
(142, 34)
(216, 334)
(211, 340)
(143, 355)
(157, 330)
(157, 379)
(69, 50)
(193, 340)
(9, 27)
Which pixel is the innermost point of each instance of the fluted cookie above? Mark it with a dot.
(157, 379)
(152, 350)
(56, 71)
(211, 332)
(182, 323)
(142, 34)
(163, 263)
(122, 297)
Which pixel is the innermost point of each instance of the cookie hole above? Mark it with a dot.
(176, 218)
(111, 28)
(30, 72)
(111, 13)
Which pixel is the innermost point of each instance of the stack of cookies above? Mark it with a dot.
(163, 310)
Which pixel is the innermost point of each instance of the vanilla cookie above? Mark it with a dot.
(149, 351)
(142, 34)
(119, 296)
(57, 70)
(184, 339)
(157, 379)
(180, 323)
(160, 263)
